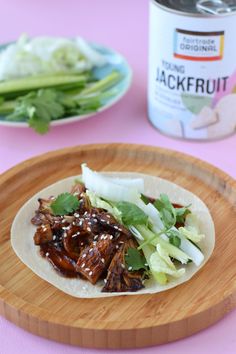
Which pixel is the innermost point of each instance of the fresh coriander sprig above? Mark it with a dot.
(65, 203)
(135, 260)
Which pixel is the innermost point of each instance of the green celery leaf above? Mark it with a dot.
(131, 214)
(135, 260)
(65, 203)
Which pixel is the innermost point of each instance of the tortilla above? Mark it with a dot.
(22, 233)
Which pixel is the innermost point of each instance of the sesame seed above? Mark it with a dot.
(105, 237)
(105, 281)
(82, 244)
(102, 220)
(84, 255)
(117, 247)
(103, 260)
(119, 229)
(90, 250)
(108, 222)
(90, 273)
(130, 268)
(122, 266)
(88, 229)
(94, 243)
(95, 237)
(146, 264)
(89, 223)
(65, 235)
(102, 237)
(95, 220)
(78, 233)
(81, 222)
(121, 242)
(54, 237)
(63, 221)
(116, 227)
(111, 237)
(76, 215)
(55, 243)
(94, 215)
(108, 216)
(74, 235)
(73, 223)
(47, 254)
(85, 213)
(82, 265)
(56, 221)
(87, 269)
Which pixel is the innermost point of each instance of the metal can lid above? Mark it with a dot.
(212, 7)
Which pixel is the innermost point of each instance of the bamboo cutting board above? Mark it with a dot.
(119, 322)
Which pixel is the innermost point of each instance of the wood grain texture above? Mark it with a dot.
(119, 322)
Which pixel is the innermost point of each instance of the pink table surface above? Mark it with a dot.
(122, 25)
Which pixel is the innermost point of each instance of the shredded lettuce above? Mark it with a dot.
(159, 264)
(100, 203)
(42, 55)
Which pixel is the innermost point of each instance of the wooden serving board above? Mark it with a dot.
(124, 321)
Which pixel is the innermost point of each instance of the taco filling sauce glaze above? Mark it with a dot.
(87, 243)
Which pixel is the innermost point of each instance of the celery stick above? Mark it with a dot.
(7, 107)
(154, 239)
(103, 84)
(161, 278)
(37, 82)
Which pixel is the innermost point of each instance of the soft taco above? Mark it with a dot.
(109, 234)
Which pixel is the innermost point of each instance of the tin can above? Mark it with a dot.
(192, 68)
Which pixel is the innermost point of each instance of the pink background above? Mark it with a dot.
(122, 25)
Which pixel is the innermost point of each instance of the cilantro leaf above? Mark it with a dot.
(166, 210)
(181, 214)
(39, 108)
(135, 260)
(65, 203)
(174, 238)
(144, 199)
(131, 214)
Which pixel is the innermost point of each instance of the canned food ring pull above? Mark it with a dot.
(214, 7)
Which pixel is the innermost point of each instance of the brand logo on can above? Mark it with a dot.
(198, 46)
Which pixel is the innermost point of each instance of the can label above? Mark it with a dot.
(192, 74)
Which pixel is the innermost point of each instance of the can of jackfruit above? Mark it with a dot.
(192, 68)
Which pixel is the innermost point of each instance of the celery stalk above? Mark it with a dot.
(102, 84)
(34, 83)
